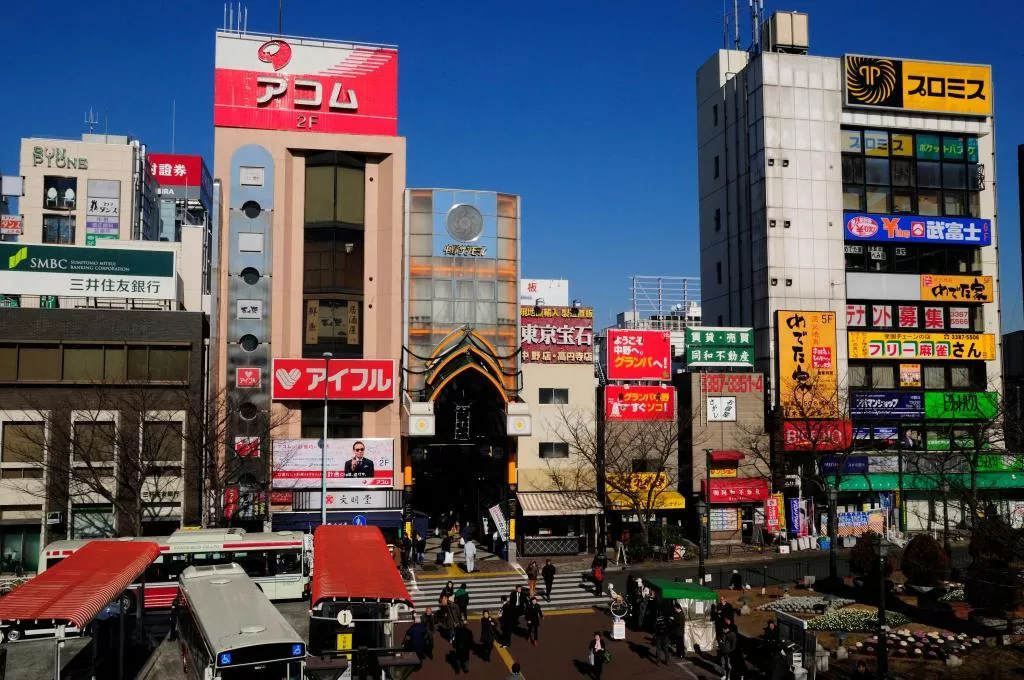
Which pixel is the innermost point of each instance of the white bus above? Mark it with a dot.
(228, 629)
(278, 562)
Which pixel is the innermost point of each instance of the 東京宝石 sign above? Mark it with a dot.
(75, 271)
(557, 335)
(885, 83)
(968, 231)
(877, 345)
(720, 347)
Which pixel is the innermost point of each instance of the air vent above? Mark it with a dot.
(253, 629)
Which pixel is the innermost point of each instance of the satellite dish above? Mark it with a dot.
(345, 617)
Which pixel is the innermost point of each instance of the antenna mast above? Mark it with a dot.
(91, 121)
(736, 24)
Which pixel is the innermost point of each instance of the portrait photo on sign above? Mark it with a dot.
(350, 463)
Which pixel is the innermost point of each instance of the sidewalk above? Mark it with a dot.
(768, 556)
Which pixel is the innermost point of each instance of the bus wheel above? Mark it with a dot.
(127, 602)
(13, 635)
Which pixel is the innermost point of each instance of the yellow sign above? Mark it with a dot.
(344, 641)
(639, 481)
(665, 500)
(883, 83)
(723, 472)
(956, 288)
(805, 353)
(956, 346)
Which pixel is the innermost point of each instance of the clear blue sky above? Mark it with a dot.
(584, 107)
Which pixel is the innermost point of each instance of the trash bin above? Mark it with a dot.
(824, 542)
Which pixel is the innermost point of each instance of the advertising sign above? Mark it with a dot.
(853, 465)
(969, 231)
(347, 379)
(721, 409)
(87, 272)
(639, 355)
(910, 375)
(773, 516)
(887, 405)
(364, 499)
(884, 83)
(640, 402)
(247, 377)
(351, 463)
(857, 523)
(181, 176)
(961, 405)
(744, 490)
(103, 226)
(805, 353)
(796, 523)
(879, 345)
(267, 83)
(956, 288)
(554, 292)
(720, 347)
(103, 207)
(11, 225)
(816, 435)
(557, 335)
(732, 383)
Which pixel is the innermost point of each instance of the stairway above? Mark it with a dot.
(485, 592)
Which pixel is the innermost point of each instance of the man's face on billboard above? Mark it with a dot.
(358, 451)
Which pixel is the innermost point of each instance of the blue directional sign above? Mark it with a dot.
(359, 521)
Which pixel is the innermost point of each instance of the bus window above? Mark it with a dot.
(254, 562)
(166, 568)
(289, 562)
(200, 559)
(52, 561)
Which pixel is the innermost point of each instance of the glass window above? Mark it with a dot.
(94, 442)
(905, 259)
(960, 376)
(138, 363)
(485, 290)
(857, 376)
(903, 201)
(162, 441)
(554, 450)
(551, 395)
(319, 203)
(288, 562)
(883, 377)
(928, 147)
(8, 362)
(954, 175)
(954, 203)
(933, 261)
(878, 200)
(60, 193)
(974, 174)
(853, 169)
(929, 174)
(927, 202)
(876, 142)
(255, 563)
(168, 363)
(878, 258)
(851, 141)
(23, 442)
(113, 364)
(39, 362)
(83, 363)
(59, 229)
(442, 289)
(876, 170)
(973, 204)
(934, 377)
(854, 257)
(351, 190)
(903, 174)
(486, 312)
(853, 198)
(953, 148)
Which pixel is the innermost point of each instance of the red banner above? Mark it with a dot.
(639, 355)
(557, 335)
(308, 86)
(639, 403)
(816, 435)
(737, 490)
(176, 170)
(772, 512)
(365, 379)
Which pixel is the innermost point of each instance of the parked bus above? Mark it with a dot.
(228, 629)
(278, 562)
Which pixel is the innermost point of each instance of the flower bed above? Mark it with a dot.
(854, 620)
(954, 595)
(929, 646)
(804, 604)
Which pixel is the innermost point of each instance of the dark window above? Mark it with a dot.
(929, 174)
(60, 193)
(853, 170)
(138, 363)
(718, 219)
(168, 363)
(113, 364)
(554, 450)
(714, 114)
(83, 363)
(718, 271)
(59, 229)
(644, 465)
(716, 167)
(162, 441)
(344, 419)
(904, 260)
(878, 259)
(954, 175)
(903, 173)
(23, 442)
(553, 395)
(39, 362)
(94, 442)
(876, 170)
(255, 563)
(854, 257)
(8, 362)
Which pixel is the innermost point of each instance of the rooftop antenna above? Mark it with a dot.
(280, 17)
(736, 24)
(245, 22)
(725, 26)
(231, 16)
(91, 121)
(174, 117)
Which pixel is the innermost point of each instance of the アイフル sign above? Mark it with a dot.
(918, 229)
(639, 355)
(342, 379)
(720, 347)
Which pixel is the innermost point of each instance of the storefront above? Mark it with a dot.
(557, 523)
(19, 541)
(733, 503)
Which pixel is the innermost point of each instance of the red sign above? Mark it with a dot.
(737, 490)
(639, 403)
(771, 512)
(816, 435)
(639, 355)
(247, 377)
(11, 225)
(231, 497)
(305, 85)
(364, 379)
(557, 335)
(247, 447)
(176, 170)
(281, 497)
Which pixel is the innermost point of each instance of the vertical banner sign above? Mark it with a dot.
(805, 354)
(771, 513)
(639, 355)
(796, 526)
(499, 522)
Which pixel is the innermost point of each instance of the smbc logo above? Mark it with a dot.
(20, 256)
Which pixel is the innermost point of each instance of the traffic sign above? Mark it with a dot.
(359, 521)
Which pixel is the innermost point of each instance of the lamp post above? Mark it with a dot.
(702, 511)
(323, 443)
(707, 505)
(883, 640)
(944, 485)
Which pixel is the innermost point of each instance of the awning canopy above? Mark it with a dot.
(558, 503)
(749, 490)
(76, 589)
(664, 500)
(353, 563)
(726, 456)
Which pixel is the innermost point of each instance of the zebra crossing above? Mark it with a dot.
(569, 591)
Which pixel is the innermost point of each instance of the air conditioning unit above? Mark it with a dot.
(54, 517)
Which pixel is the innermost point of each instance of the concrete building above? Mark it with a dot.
(855, 199)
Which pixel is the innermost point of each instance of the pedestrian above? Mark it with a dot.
(532, 571)
(431, 624)
(446, 550)
(488, 633)
(737, 664)
(719, 613)
(173, 633)
(470, 552)
(727, 648)
(444, 621)
(661, 637)
(736, 580)
(421, 548)
(448, 590)
(597, 652)
(770, 636)
(678, 630)
(548, 574)
(508, 621)
(454, 617)
(417, 637)
(598, 580)
(862, 672)
(517, 598)
(517, 672)
(463, 643)
(406, 554)
(533, 617)
(462, 602)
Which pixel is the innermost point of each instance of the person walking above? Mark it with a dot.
(488, 633)
(737, 664)
(533, 617)
(517, 672)
(508, 622)
(661, 638)
(421, 548)
(448, 590)
(598, 580)
(727, 650)
(596, 659)
(463, 643)
(532, 571)
(431, 624)
(517, 598)
(678, 630)
(470, 552)
(417, 637)
(548, 574)
(462, 602)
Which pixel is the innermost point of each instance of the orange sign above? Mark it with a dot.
(805, 354)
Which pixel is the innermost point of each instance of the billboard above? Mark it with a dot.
(557, 335)
(961, 405)
(816, 435)
(553, 292)
(639, 402)
(720, 347)
(639, 355)
(884, 83)
(11, 225)
(957, 288)
(346, 379)
(268, 83)
(879, 345)
(900, 229)
(350, 463)
(887, 405)
(181, 176)
(87, 272)
(805, 354)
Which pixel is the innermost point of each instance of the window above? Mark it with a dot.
(59, 229)
(8, 362)
(960, 376)
(113, 364)
(905, 260)
(878, 199)
(876, 170)
(903, 173)
(168, 363)
(550, 450)
(83, 363)
(857, 376)
(853, 197)
(955, 203)
(718, 271)
(934, 377)
(929, 174)
(94, 442)
(716, 167)
(854, 257)
(39, 362)
(162, 441)
(255, 563)
(138, 363)
(551, 395)
(853, 170)
(903, 201)
(927, 202)
(644, 465)
(714, 115)
(60, 193)
(883, 377)
(23, 442)
(718, 219)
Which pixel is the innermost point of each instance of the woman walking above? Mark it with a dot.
(597, 652)
(532, 571)
(533, 617)
(488, 631)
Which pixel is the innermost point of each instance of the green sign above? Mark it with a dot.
(928, 147)
(720, 347)
(940, 441)
(1005, 463)
(961, 405)
(39, 259)
(953, 147)
(972, 150)
(90, 239)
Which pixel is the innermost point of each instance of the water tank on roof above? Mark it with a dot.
(786, 32)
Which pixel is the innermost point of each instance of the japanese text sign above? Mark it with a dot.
(369, 379)
(637, 481)
(968, 231)
(11, 224)
(773, 518)
(350, 463)
(639, 402)
(740, 490)
(956, 288)
(816, 435)
(883, 83)
(639, 355)
(720, 347)
(732, 383)
(961, 405)
(806, 360)
(852, 465)
(888, 405)
(557, 335)
(267, 83)
(721, 409)
(959, 346)
(87, 272)
(177, 169)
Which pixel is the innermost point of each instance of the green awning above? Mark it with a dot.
(890, 481)
(676, 590)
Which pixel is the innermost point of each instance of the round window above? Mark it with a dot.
(251, 209)
(250, 275)
(248, 411)
(249, 342)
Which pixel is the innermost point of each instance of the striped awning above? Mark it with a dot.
(558, 503)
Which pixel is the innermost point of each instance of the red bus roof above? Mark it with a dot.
(354, 563)
(76, 589)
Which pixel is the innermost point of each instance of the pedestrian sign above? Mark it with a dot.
(359, 521)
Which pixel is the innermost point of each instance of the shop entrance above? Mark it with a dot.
(461, 472)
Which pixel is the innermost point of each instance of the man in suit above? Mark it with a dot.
(359, 466)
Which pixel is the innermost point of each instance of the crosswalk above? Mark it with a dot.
(485, 592)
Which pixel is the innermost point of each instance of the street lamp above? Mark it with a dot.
(323, 443)
(702, 511)
(883, 639)
(944, 485)
(706, 515)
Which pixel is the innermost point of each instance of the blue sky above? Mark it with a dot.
(584, 107)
